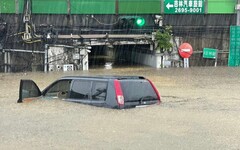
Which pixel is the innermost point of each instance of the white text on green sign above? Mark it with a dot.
(209, 53)
(184, 6)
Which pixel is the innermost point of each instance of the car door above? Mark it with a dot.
(80, 91)
(99, 93)
(28, 89)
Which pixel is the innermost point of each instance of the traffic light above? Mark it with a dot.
(128, 22)
(3, 29)
(140, 22)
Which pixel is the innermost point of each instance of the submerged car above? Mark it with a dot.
(105, 91)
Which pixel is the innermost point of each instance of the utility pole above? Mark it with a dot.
(238, 13)
(46, 58)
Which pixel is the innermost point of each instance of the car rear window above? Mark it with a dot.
(137, 90)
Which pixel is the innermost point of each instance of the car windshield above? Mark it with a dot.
(59, 89)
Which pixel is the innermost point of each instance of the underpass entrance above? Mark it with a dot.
(119, 55)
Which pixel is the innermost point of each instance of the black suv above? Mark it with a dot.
(104, 91)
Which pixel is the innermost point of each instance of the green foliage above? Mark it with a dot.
(163, 38)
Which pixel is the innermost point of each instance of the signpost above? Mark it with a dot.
(210, 53)
(185, 50)
(184, 6)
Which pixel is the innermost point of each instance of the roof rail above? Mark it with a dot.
(105, 77)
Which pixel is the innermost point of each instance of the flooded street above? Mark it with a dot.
(200, 109)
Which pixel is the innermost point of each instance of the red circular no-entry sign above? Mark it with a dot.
(185, 50)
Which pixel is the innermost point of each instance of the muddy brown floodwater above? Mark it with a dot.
(200, 109)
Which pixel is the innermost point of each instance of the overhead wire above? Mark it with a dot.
(110, 24)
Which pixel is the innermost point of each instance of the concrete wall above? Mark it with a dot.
(153, 60)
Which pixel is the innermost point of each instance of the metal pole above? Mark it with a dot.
(5, 61)
(69, 7)
(9, 61)
(17, 6)
(186, 62)
(238, 13)
(78, 62)
(215, 65)
(85, 60)
(46, 59)
(162, 7)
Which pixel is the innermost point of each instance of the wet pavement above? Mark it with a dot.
(200, 109)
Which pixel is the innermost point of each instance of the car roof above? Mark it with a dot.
(103, 77)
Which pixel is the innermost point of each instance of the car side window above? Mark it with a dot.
(80, 89)
(99, 90)
(59, 90)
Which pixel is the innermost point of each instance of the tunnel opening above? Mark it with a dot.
(117, 55)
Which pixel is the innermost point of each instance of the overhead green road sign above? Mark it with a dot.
(184, 6)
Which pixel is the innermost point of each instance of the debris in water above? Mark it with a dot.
(108, 65)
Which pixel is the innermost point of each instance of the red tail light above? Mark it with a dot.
(119, 93)
(155, 89)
